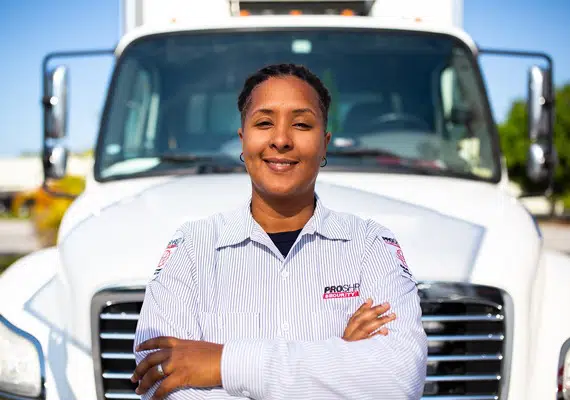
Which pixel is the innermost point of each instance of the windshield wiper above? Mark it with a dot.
(360, 152)
(203, 163)
(192, 157)
(413, 165)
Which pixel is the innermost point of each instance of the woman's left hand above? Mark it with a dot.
(184, 363)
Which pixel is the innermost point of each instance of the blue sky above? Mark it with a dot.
(30, 31)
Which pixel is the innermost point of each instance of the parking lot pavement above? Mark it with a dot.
(556, 236)
(17, 237)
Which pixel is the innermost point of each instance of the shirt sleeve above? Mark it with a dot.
(170, 306)
(381, 367)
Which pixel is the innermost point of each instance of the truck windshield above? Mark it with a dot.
(403, 102)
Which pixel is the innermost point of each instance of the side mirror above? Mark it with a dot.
(54, 103)
(54, 161)
(540, 110)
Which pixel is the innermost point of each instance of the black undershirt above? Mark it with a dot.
(284, 240)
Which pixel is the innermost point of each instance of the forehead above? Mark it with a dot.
(284, 91)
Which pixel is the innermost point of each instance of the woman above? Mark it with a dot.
(257, 303)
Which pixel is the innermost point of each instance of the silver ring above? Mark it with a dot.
(160, 370)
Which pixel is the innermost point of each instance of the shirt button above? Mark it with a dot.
(285, 326)
(245, 393)
(285, 274)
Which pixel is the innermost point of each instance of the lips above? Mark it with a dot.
(280, 164)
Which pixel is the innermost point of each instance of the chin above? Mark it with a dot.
(281, 191)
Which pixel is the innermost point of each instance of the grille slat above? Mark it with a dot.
(116, 375)
(472, 357)
(117, 336)
(496, 337)
(120, 316)
(465, 326)
(121, 396)
(462, 378)
(462, 318)
(484, 397)
(117, 356)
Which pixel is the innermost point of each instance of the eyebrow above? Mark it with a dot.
(295, 111)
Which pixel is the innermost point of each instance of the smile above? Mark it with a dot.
(280, 165)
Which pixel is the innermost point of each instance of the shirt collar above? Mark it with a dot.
(239, 226)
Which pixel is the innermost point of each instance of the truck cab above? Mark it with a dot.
(414, 146)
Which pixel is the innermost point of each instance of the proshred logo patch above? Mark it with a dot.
(397, 252)
(341, 291)
(171, 248)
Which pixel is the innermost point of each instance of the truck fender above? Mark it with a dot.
(549, 322)
(33, 297)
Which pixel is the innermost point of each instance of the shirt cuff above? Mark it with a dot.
(242, 367)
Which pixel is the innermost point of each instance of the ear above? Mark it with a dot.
(328, 136)
(240, 134)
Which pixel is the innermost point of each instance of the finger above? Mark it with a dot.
(167, 386)
(372, 313)
(371, 326)
(149, 362)
(381, 332)
(366, 305)
(150, 378)
(157, 343)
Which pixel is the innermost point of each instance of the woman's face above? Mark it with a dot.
(283, 137)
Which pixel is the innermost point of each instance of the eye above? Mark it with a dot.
(263, 124)
(302, 125)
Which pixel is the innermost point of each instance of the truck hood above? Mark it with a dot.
(440, 227)
(126, 239)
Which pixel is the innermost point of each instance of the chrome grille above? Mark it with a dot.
(466, 330)
(465, 324)
(115, 315)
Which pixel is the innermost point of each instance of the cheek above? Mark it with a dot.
(253, 144)
(312, 149)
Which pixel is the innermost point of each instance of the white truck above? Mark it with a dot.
(414, 146)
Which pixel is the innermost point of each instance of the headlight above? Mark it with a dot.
(564, 372)
(21, 362)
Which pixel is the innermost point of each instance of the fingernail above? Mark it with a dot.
(133, 379)
(369, 300)
(137, 390)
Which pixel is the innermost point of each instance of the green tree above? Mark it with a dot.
(515, 143)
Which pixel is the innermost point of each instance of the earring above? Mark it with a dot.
(325, 160)
(241, 157)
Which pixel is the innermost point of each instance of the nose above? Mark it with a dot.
(281, 137)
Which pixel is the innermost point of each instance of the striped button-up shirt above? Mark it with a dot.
(281, 319)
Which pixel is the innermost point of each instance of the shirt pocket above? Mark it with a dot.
(221, 327)
(329, 323)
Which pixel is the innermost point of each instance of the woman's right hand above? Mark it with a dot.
(366, 322)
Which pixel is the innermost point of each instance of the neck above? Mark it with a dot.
(282, 214)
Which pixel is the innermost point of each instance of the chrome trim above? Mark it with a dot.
(458, 292)
(117, 356)
(462, 378)
(116, 375)
(563, 351)
(117, 336)
(35, 342)
(101, 299)
(493, 337)
(121, 396)
(463, 318)
(119, 317)
(460, 357)
(467, 397)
